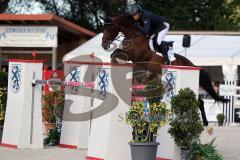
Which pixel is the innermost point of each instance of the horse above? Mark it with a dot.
(135, 48)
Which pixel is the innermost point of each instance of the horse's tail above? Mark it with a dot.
(206, 83)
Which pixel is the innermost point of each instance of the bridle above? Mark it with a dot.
(122, 35)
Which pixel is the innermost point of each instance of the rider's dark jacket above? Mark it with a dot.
(149, 23)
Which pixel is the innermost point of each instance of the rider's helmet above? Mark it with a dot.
(134, 9)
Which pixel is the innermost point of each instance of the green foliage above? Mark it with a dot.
(204, 152)
(145, 126)
(4, 5)
(183, 14)
(154, 91)
(53, 137)
(220, 117)
(145, 120)
(53, 104)
(84, 12)
(3, 79)
(3, 103)
(197, 15)
(186, 126)
(59, 104)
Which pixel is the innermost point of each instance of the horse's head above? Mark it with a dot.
(112, 26)
(110, 32)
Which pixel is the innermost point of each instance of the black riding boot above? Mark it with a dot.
(164, 50)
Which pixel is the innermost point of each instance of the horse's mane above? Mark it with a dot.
(129, 22)
(125, 18)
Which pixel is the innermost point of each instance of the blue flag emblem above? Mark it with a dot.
(103, 78)
(15, 80)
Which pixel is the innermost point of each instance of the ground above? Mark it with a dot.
(48, 153)
(228, 143)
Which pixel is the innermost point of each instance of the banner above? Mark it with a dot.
(16, 36)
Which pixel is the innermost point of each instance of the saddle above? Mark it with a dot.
(166, 49)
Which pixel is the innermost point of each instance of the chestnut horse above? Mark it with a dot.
(135, 48)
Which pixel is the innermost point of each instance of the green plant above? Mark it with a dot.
(220, 118)
(53, 137)
(204, 151)
(59, 104)
(48, 108)
(145, 120)
(145, 126)
(186, 126)
(3, 79)
(53, 104)
(3, 103)
(154, 91)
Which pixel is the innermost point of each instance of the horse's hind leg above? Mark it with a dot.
(206, 83)
(201, 107)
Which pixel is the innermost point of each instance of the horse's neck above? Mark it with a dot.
(132, 33)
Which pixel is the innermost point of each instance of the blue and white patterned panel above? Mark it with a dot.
(15, 81)
(169, 79)
(103, 81)
(73, 76)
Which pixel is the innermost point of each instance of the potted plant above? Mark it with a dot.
(204, 151)
(220, 119)
(53, 104)
(145, 121)
(3, 100)
(3, 103)
(185, 126)
(53, 137)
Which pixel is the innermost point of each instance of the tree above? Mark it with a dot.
(186, 126)
(22, 7)
(197, 15)
(3, 5)
(86, 13)
(183, 14)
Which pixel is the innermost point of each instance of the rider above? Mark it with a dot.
(151, 24)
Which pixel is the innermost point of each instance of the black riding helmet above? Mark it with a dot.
(134, 9)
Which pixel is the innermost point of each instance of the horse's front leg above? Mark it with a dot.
(119, 56)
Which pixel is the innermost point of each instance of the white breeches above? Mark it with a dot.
(162, 34)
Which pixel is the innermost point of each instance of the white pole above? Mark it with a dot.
(54, 58)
